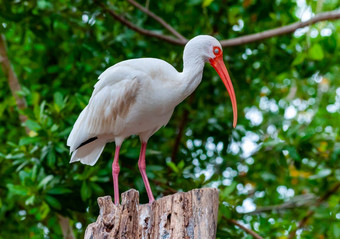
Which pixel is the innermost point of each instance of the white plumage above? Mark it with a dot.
(137, 97)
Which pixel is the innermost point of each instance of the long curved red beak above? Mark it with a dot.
(219, 66)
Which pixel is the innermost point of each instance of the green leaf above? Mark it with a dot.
(337, 174)
(321, 173)
(44, 210)
(267, 176)
(194, 2)
(228, 190)
(23, 175)
(316, 52)
(30, 200)
(181, 165)
(336, 230)
(58, 100)
(206, 3)
(53, 202)
(42, 4)
(59, 190)
(17, 189)
(85, 191)
(293, 153)
(53, 69)
(173, 167)
(51, 158)
(34, 172)
(155, 167)
(96, 188)
(45, 181)
(225, 211)
(298, 60)
(32, 125)
(28, 140)
(24, 92)
(54, 128)
(132, 153)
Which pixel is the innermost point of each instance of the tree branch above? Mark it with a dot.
(158, 19)
(13, 81)
(181, 40)
(305, 219)
(66, 228)
(139, 29)
(296, 202)
(331, 15)
(247, 230)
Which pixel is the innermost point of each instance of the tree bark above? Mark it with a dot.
(190, 215)
(66, 228)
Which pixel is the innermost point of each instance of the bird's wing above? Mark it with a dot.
(114, 94)
(109, 77)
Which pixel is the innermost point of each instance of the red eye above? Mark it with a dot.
(216, 50)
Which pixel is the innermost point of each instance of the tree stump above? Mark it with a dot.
(189, 215)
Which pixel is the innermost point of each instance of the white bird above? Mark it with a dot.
(138, 97)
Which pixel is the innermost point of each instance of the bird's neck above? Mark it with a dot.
(192, 74)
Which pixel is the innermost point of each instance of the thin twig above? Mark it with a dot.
(158, 19)
(181, 127)
(331, 15)
(139, 29)
(247, 230)
(305, 219)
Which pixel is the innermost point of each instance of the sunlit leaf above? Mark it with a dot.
(316, 52)
(206, 3)
(45, 181)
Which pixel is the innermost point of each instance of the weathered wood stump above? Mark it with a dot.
(190, 215)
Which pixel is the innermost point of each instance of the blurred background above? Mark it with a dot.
(278, 171)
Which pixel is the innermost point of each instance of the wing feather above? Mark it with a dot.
(114, 94)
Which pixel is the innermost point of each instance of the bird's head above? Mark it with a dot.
(210, 50)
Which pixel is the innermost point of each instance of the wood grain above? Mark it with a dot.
(189, 215)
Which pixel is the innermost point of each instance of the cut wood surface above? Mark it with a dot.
(189, 215)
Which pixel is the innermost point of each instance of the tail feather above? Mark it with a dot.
(89, 153)
(79, 131)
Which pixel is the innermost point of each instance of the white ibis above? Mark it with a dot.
(138, 97)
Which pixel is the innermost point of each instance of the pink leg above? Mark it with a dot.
(142, 167)
(115, 172)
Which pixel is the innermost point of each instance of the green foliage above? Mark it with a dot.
(285, 147)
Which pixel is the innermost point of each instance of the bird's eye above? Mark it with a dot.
(217, 50)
